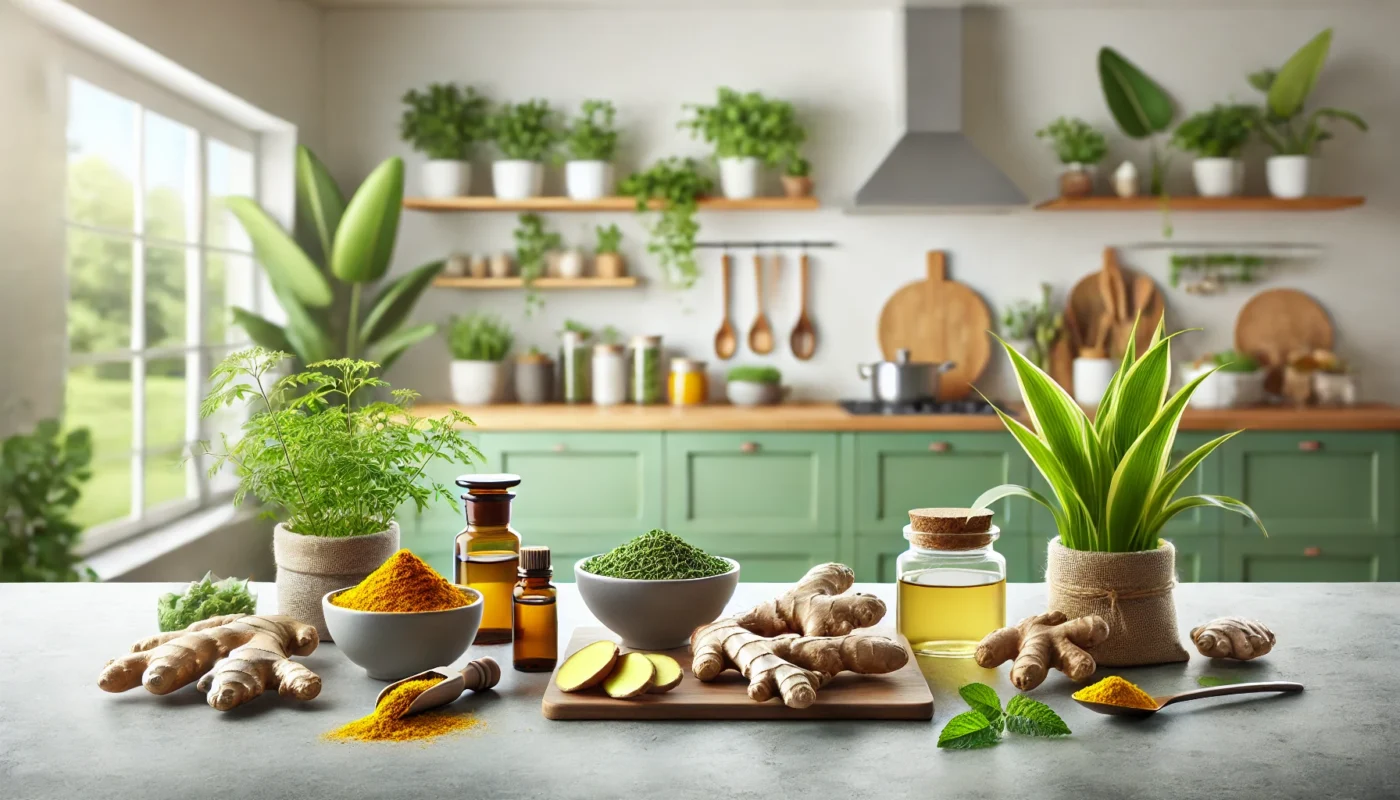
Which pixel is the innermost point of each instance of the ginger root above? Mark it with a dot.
(1041, 642)
(1233, 637)
(792, 645)
(234, 657)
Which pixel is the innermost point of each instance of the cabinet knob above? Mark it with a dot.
(559, 448)
(939, 447)
(748, 447)
(1310, 445)
(1312, 552)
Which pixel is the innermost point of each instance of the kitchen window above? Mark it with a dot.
(154, 262)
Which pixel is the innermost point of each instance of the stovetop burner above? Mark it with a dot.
(865, 407)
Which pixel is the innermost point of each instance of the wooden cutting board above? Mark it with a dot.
(939, 320)
(903, 694)
(1280, 322)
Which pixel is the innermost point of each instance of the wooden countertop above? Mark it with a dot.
(831, 417)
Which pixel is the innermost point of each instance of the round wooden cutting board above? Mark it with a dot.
(939, 320)
(1279, 322)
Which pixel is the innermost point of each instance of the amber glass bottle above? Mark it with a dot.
(488, 551)
(536, 615)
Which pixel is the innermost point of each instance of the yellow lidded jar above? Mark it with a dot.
(688, 384)
(951, 591)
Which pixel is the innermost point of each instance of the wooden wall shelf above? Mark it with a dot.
(615, 204)
(1193, 203)
(625, 282)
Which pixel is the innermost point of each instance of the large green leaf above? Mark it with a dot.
(1171, 482)
(310, 340)
(319, 201)
(262, 331)
(394, 302)
(387, 350)
(1141, 394)
(287, 265)
(1076, 522)
(1139, 105)
(1295, 80)
(364, 243)
(1211, 501)
(996, 493)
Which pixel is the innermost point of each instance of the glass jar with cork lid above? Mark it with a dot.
(952, 583)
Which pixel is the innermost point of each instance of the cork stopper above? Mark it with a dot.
(534, 559)
(950, 528)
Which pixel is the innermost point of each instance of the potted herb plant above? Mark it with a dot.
(1216, 137)
(524, 133)
(1033, 327)
(797, 177)
(533, 244)
(592, 142)
(334, 466)
(1231, 380)
(1113, 493)
(754, 386)
(479, 344)
(747, 131)
(534, 377)
(1080, 147)
(678, 185)
(607, 261)
(442, 123)
(1282, 124)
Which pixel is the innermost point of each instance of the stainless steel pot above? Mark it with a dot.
(903, 381)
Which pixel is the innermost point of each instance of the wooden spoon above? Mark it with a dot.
(726, 338)
(804, 334)
(761, 334)
(1195, 694)
(478, 675)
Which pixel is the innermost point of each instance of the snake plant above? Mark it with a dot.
(1110, 475)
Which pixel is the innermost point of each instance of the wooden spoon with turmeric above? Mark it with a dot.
(1195, 694)
(479, 675)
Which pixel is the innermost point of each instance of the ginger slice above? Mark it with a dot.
(588, 667)
(1041, 642)
(632, 675)
(668, 673)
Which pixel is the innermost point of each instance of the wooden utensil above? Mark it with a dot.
(1148, 308)
(761, 334)
(804, 334)
(1088, 302)
(1195, 694)
(1278, 322)
(726, 338)
(939, 320)
(478, 675)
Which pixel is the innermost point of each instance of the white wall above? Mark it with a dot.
(1023, 67)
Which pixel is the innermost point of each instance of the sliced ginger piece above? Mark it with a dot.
(631, 676)
(588, 667)
(668, 673)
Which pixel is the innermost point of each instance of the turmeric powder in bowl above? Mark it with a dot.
(403, 584)
(1116, 691)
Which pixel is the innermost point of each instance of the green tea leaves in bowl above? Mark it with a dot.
(657, 556)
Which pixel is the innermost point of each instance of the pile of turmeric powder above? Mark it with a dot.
(387, 722)
(1116, 691)
(402, 584)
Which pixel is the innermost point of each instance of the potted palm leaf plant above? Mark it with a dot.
(332, 465)
(479, 345)
(592, 142)
(1113, 493)
(1216, 137)
(748, 131)
(524, 133)
(443, 123)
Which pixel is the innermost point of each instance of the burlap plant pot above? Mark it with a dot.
(1131, 591)
(310, 566)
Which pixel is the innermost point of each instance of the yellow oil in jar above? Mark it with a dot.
(946, 612)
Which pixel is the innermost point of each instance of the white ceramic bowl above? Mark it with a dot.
(655, 615)
(753, 393)
(394, 645)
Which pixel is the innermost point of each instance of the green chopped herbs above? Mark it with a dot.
(656, 556)
(204, 599)
(984, 724)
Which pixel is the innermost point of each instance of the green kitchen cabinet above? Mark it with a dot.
(895, 472)
(754, 483)
(876, 557)
(1309, 483)
(779, 558)
(1324, 557)
(430, 533)
(1197, 557)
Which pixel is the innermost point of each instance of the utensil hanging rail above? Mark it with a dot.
(764, 245)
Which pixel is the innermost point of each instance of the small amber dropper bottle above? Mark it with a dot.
(536, 614)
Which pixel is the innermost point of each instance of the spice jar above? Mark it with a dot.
(688, 387)
(609, 375)
(952, 591)
(645, 384)
(574, 366)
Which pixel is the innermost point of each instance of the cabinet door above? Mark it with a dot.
(1302, 483)
(876, 556)
(1197, 558)
(770, 558)
(758, 483)
(581, 483)
(1327, 557)
(899, 471)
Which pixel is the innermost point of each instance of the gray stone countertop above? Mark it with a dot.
(61, 737)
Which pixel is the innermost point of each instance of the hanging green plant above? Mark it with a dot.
(677, 186)
(532, 246)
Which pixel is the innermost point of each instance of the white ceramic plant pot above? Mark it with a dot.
(570, 264)
(738, 177)
(1288, 176)
(476, 383)
(517, 180)
(1091, 378)
(1217, 177)
(588, 180)
(1226, 389)
(444, 178)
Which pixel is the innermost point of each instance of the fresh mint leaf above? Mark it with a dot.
(1033, 718)
(1207, 681)
(968, 731)
(984, 701)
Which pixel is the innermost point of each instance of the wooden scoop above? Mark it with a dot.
(479, 675)
(1195, 694)
(804, 333)
(726, 338)
(761, 334)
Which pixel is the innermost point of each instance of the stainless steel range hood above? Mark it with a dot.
(933, 166)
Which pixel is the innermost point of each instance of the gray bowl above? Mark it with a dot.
(655, 615)
(752, 393)
(394, 645)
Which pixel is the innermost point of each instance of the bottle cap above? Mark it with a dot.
(534, 558)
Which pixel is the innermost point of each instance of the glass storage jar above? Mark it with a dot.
(609, 375)
(574, 363)
(952, 591)
(688, 387)
(646, 385)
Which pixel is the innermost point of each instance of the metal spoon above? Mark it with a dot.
(761, 334)
(479, 675)
(804, 334)
(1195, 694)
(726, 338)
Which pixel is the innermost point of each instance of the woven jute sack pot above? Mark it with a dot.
(310, 566)
(1131, 591)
